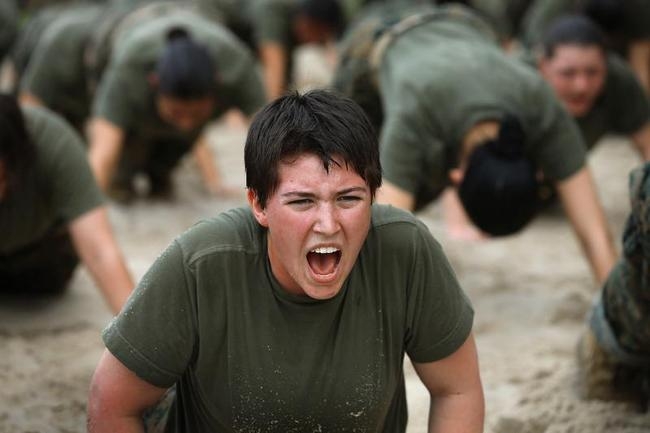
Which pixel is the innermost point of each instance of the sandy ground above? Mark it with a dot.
(530, 292)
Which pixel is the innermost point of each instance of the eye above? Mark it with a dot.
(567, 73)
(348, 200)
(301, 202)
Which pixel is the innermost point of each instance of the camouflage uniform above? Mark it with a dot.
(155, 418)
(620, 320)
(363, 46)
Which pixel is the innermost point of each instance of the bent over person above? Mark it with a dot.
(51, 211)
(295, 314)
(454, 111)
(166, 79)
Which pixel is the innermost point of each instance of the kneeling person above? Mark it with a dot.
(296, 314)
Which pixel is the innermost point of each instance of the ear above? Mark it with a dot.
(258, 210)
(153, 80)
(456, 176)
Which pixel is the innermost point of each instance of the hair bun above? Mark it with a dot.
(176, 33)
(510, 142)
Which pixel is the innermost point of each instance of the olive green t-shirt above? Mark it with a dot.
(439, 79)
(126, 98)
(622, 107)
(55, 72)
(246, 355)
(60, 188)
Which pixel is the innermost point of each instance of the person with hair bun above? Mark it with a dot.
(453, 110)
(170, 72)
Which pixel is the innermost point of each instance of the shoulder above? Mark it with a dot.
(398, 229)
(49, 130)
(232, 232)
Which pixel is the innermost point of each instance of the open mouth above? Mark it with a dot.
(324, 260)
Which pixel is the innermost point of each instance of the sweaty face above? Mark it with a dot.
(577, 75)
(185, 114)
(317, 223)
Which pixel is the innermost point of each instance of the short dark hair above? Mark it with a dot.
(185, 68)
(17, 150)
(319, 122)
(572, 30)
(499, 190)
(327, 12)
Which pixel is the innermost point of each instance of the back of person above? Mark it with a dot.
(55, 74)
(440, 79)
(364, 43)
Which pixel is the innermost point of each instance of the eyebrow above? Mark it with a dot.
(309, 194)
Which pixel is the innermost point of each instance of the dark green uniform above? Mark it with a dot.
(35, 249)
(126, 98)
(437, 76)
(622, 107)
(246, 355)
(56, 72)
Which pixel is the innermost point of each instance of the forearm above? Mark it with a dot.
(111, 276)
(601, 256)
(583, 208)
(205, 161)
(99, 252)
(273, 57)
(458, 413)
(130, 424)
(105, 145)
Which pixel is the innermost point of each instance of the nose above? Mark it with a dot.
(581, 83)
(185, 123)
(327, 220)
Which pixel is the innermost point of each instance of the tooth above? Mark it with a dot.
(325, 250)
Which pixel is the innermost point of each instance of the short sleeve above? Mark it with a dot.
(72, 189)
(117, 95)
(439, 314)
(155, 334)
